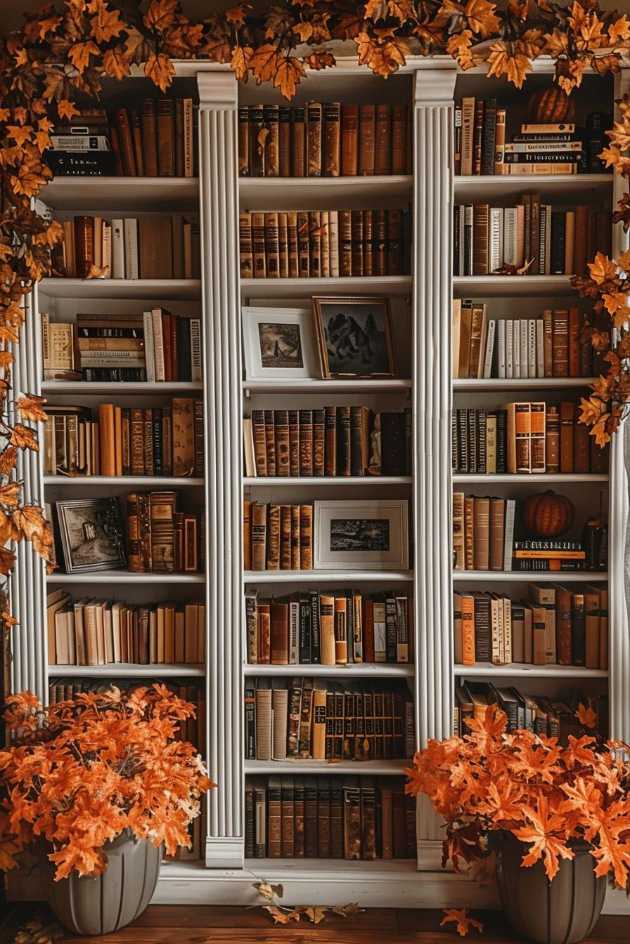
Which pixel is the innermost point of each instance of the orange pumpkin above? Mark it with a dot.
(551, 105)
(548, 514)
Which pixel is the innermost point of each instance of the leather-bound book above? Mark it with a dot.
(394, 265)
(469, 532)
(183, 436)
(284, 141)
(125, 141)
(247, 534)
(367, 139)
(245, 245)
(258, 245)
(271, 120)
(368, 242)
(264, 633)
(344, 441)
(156, 440)
(519, 457)
(325, 244)
(305, 646)
(286, 537)
(356, 230)
(199, 437)
(259, 535)
(190, 563)
(162, 506)
(166, 137)
(257, 147)
(279, 707)
(330, 437)
(327, 629)
(306, 719)
(319, 442)
(107, 436)
(264, 727)
(126, 441)
(352, 818)
(560, 343)
(292, 244)
(331, 138)
(304, 244)
(393, 444)
(481, 222)
(135, 120)
(341, 630)
(288, 817)
(114, 139)
(314, 112)
(379, 252)
(319, 724)
(144, 530)
(349, 140)
(478, 132)
(293, 717)
(281, 436)
(273, 537)
(283, 244)
(552, 438)
(574, 330)
(306, 537)
(578, 629)
(84, 244)
(497, 532)
(149, 138)
(323, 817)
(345, 242)
(298, 142)
(243, 141)
(482, 533)
(315, 242)
(336, 818)
(260, 442)
(383, 140)
(298, 818)
(548, 343)
(581, 448)
(294, 442)
(179, 137)
(306, 443)
(295, 537)
(567, 429)
(272, 246)
(134, 554)
(591, 627)
(537, 437)
(600, 458)
(603, 627)
(155, 237)
(563, 625)
(399, 139)
(310, 818)
(270, 441)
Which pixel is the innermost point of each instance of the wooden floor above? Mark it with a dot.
(162, 924)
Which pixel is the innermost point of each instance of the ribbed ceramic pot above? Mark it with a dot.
(104, 903)
(563, 911)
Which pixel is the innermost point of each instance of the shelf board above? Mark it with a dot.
(122, 288)
(357, 669)
(304, 288)
(330, 386)
(533, 383)
(124, 670)
(142, 480)
(286, 869)
(327, 576)
(330, 480)
(121, 193)
(533, 576)
(560, 478)
(497, 285)
(516, 670)
(124, 576)
(306, 188)
(302, 766)
(477, 187)
(117, 388)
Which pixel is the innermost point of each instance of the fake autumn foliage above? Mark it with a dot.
(82, 771)
(548, 796)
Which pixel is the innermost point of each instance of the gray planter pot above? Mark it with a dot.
(563, 911)
(107, 902)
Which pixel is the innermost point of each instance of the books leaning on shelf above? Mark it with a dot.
(524, 437)
(554, 345)
(339, 627)
(304, 719)
(161, 539)
(329, 817)
(328, 441)
(322, 139)
(549, 717)
(545, 240)
(166, 440)
(324, 243)
(277, 537)
(102, 632)
(556, 626)
(158, 246)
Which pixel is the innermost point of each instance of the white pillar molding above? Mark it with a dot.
(28, 583)
(222, 366)
(432, 270)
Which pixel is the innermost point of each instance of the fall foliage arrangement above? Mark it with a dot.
(547, 795)
(79, 773)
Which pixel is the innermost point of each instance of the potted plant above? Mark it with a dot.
(556, 817)
(102, 783)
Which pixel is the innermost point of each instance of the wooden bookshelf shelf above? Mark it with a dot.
(300, 765)
(487, 385)
(117, 388)
(533, 576)
(499, 186)
(516, 285)
(172, 289)
(325, 386)
(328, 576)
(515, 670)
(261, 193)
(464, 478)
(121, 193)
(145, 481)
(304, 288)
(354, 670)
(114, 577)
(127, 670)
(330, 480)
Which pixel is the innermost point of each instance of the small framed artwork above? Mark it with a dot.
(354, 336)
(361, 535)
(279, 344)
(92, 534)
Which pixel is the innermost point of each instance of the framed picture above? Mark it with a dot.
(279, 344)
(92, 534)
(353, 336)
(361, 535)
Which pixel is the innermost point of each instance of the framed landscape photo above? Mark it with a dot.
(361, 535)
(354, 336)
(92, 534)
(279, 344)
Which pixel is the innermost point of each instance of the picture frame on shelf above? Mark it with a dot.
(92, 534)
(279, 344)
(361, 535)
(354, 336)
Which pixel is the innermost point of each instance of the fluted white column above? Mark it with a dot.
(222, 364)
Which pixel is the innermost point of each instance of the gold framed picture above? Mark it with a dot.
(353, 336)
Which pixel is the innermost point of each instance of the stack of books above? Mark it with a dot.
(547, 240)
(328, 628)
(326, 139)
(329, 818)
(103, 632)
(156, 138)
(555, 626)
(324, 243)
(555, 345)
(328, 441)
(301, 718)
(166, 440)
(277, 537)
(81, 146)
(161, 539)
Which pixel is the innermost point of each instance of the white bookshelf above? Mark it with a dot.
(498, 187)
(477, 286)
(328, 576)
(518, 478)
(349, 671)
(305, 288)
(357, 768)
(142, 481)
(329, 480)
(122, 288)
(126, 670)
(490, 384)
(122, 388)
(538, 576)
(114, 577)
(513, 670)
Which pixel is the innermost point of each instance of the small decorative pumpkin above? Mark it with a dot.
(548, 514)
(551, 105)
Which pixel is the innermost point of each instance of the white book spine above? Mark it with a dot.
(149, 347)
(195, 350)
(487, 364)
(509, 349)
(540, 347)
(294, 632)
(501, 351)
(496, 238)
(524, 350)
(158, 345)
(531, 347)
(509, 236)
(131, 248)
(118, 250)
(333, 243)
(510, 511)
(516, 350)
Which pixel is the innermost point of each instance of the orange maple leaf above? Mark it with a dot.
(462, 920)
(481, 17)
(545, 837)
(602, 268)
(30, 407)
(80, 53)
(116, 63)
(161, 14)
(67, 109)
(160, 69)
(106, 24)
(587, 716)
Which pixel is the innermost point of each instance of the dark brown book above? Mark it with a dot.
(356, 229)
(399, 143)
(125, 141)
(332, 138)
(284, 141)
(345, 242)
(135, 119)
(478, 125)
(349, 140)
(259, 245)
(574, 330)
(292, 244)
(383, 140)
(162, 505)
(306, 443)
(581, 448)
(243, 141)
(368, 242)
(288, 816)
(314, 139)
(274, 818)
(330, 441)
(310, 818)
(281, 433)
(134, 554)
(298, 142)
(560, 343)
(315, 242)
(155, 247)
(581, 242)
(563, 625)
(567, 428)
(246, 253)
(279, 633)
(283, 244)
(264, 633)
(319, 449)
(199, 438)
(380, 242)
(552, 438)
(295, 537)
(272, 246)
(481, 222)
(271, 121)
(270, 440)
(394, 242)
(304, 244)
(247, 534)
(84, 244)
(137, 441)
(306, 537)
(367, 139)
(259, 535)
(286, 537)
(344, 441)
(273, 537)
(179, 137)
(294, 442)
(257, 141)
(166, 137)
(481, 527)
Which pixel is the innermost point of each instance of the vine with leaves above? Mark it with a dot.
(64, 51)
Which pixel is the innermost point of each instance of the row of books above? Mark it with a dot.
(544, 716)
(302, 718)
(328, 441)
(555, 345)
(339, 627)
(161, 539)
(157, 137)
(538, 148)
(167, 440)
(322, 139)
(154, 346)
(102, 632)
(329, 818)
(158, 246)
(277, 537)
(547, 241)
(324, 243)
(556, 626)
(524, 437)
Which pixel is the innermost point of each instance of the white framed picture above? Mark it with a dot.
(361, 535)
(279, 344)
